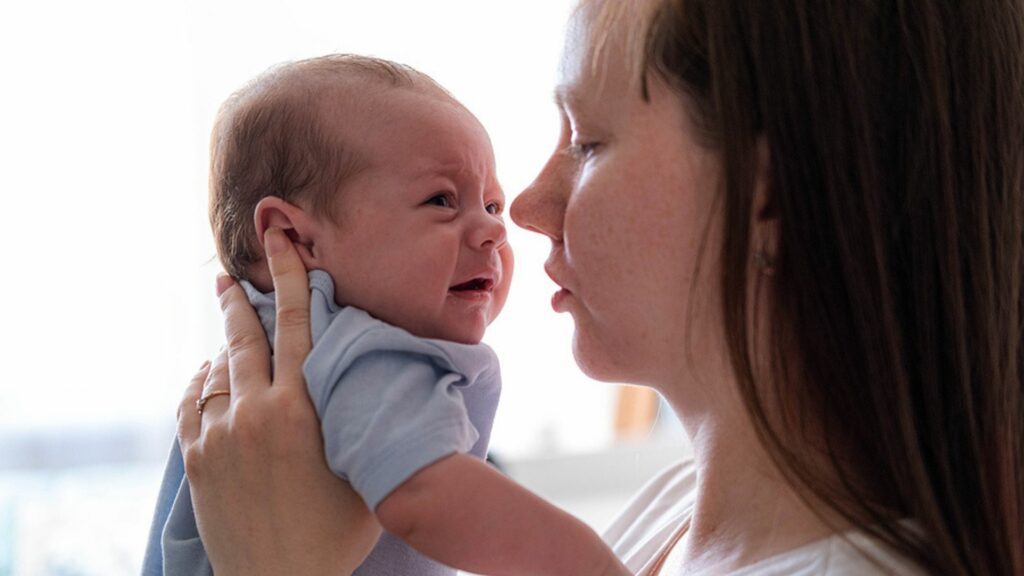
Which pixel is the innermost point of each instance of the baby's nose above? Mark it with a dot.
(488, 232)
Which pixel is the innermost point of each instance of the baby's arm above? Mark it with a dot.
(462, 512)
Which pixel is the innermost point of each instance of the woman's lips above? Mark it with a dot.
(558, 301)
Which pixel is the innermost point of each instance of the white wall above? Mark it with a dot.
(105, 114)
(107, 261)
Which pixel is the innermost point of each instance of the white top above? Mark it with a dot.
(649, 522)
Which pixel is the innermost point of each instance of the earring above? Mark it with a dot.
(763, 263)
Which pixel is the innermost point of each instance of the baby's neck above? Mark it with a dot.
(259, 276)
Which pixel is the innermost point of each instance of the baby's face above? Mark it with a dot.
(421, 243)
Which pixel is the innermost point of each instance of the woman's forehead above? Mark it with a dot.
(606, 35)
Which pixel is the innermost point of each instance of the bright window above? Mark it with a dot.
(108, 260)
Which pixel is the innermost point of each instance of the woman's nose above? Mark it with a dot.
(541, 206)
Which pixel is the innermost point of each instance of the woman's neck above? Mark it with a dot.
(745, 510)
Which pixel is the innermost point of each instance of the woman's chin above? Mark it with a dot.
(594, 361)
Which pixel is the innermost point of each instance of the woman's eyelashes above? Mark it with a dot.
(576, 131)
(583, 150)
(581, 146)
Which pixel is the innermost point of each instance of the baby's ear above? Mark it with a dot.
(300, 227)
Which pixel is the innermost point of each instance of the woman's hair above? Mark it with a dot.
(281, 135)
(895, 131)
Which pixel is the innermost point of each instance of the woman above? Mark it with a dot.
(801, 225)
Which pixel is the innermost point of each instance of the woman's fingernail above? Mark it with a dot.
(205, 365)
(274, 241)
(223, 283)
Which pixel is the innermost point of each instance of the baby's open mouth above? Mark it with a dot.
(475, 284)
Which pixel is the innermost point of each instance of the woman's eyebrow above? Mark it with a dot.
(566, 96)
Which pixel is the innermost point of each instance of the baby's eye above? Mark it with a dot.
(493, 208)
(442, 199)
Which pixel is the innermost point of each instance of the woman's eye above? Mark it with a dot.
(443, 200)
(583, 150)
(493, 208)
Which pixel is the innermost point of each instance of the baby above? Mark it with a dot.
(386, 186)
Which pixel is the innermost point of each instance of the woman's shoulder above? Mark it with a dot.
(653, 515)
(850, 554)
(664, 495)
(658, 510)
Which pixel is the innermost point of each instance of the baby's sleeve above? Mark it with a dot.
(389, 405)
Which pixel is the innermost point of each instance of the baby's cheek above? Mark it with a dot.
(507, 260)
(508, 263)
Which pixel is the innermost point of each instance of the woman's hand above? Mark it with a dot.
(265, 500)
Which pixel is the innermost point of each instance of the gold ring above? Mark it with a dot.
(206, 397)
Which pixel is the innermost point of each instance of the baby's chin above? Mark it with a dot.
(460, 329)
(470, 338)
(461, 334)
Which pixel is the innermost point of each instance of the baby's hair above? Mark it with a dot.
(271, 138)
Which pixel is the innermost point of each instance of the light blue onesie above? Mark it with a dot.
(389, 404)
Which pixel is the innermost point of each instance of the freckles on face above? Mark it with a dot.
(626, 201)
(631, 237)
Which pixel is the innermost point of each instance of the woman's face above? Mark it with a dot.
(626, 201)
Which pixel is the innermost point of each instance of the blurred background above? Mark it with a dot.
(107, 291)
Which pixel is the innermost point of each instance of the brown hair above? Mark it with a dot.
(272, 138)
(896, 139)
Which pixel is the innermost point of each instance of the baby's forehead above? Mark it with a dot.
(415, 128)
(428, 132)
(355, 105)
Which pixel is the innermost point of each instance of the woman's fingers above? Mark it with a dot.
(188, 418)
(292, 342)
(248, 351)
(217, 380)
(268, 449)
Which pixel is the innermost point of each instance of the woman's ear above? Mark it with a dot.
(300, 227)
(765, 207)
(764, 219)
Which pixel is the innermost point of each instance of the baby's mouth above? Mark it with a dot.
(474, 285)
